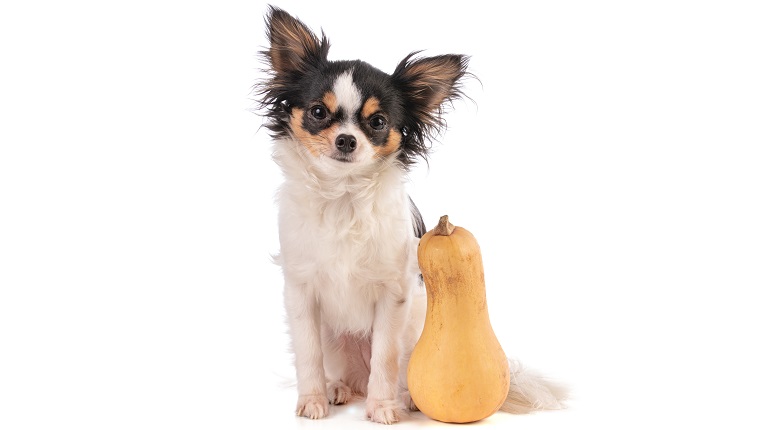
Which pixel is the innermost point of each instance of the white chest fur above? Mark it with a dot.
(345, 238)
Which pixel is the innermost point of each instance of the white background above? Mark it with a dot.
(607, 164)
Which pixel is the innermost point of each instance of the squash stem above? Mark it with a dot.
(444, 227)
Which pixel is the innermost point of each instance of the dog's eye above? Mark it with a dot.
(319, 112)
(377, 122)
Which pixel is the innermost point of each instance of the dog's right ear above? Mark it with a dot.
(293, 48)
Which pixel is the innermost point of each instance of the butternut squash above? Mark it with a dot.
(457, 372)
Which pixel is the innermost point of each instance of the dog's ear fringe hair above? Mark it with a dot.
(429, 85)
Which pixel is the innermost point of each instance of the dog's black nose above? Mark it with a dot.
(345, 143)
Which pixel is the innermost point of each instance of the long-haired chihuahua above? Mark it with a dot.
(345, 135)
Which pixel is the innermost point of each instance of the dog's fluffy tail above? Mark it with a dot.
(530, 392)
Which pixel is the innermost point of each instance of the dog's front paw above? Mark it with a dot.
(338, 392)
(312, 406)
(383, 411)
(408, 402)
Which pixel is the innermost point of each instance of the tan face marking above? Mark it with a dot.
(317, 144)
(391, 145)
(371, 106)
(330, 101)
(393, 142)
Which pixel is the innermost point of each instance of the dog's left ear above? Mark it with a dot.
(429, 82)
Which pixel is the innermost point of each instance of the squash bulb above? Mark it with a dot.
(457, 372)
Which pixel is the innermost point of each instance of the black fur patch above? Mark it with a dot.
(417, 222)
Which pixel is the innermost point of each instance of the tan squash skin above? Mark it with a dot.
(457, 372)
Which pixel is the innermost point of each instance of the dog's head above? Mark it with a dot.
(348, 112)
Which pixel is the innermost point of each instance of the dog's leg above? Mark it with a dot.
(391, 313)
(304, 322)
(335, 349)
(411, 334)
(406, 397)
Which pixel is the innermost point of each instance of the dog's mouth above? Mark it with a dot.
(343, 158)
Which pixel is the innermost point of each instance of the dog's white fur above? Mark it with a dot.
(348, 255)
